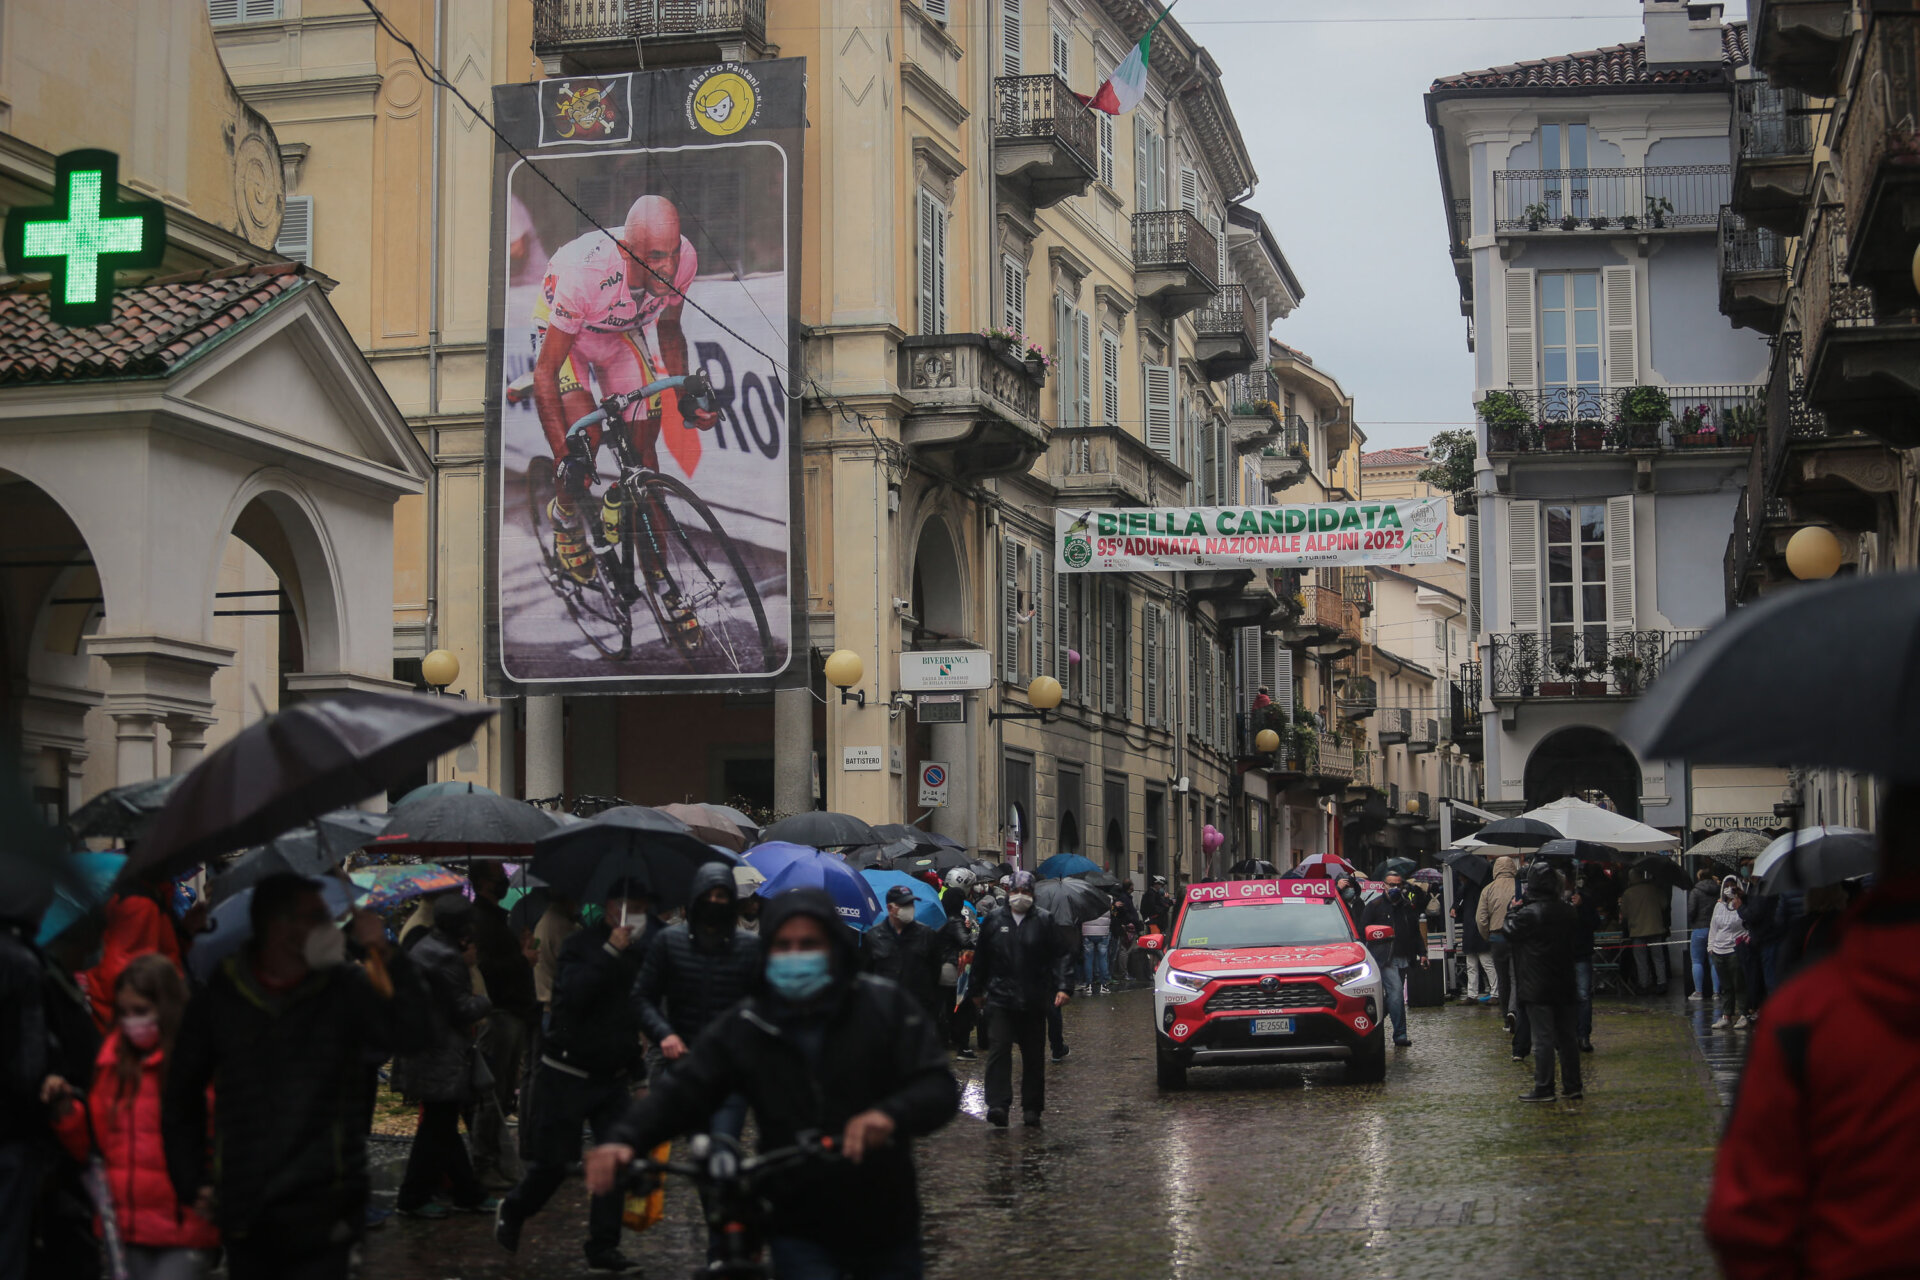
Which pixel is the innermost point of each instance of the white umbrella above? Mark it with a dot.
(1577, 820)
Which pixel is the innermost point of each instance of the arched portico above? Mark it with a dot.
(1579, 759)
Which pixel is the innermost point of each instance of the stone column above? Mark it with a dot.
(153, 679)
(134, 739)
(546, 747)
(793, 750)
(187, 739)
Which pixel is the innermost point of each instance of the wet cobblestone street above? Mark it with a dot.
(1271, 1171)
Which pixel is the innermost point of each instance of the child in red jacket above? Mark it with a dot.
(120, 1119)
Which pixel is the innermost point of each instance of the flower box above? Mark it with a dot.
(1557, 439)
(1589, 436)
(1590, 688)
(1556, 688)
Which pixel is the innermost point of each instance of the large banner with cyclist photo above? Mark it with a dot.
(643, 439)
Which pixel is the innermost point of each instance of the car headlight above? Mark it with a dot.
(1181, 980)
(1353, 975)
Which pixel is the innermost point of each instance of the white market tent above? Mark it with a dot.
(1577, 820)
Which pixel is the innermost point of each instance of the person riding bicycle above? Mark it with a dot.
(612, 314)
(820, 1047)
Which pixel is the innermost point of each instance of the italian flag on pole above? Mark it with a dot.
(1128, 83)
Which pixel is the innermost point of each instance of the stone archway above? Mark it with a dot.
(1579, 759)
(938, 598)
(273, 515)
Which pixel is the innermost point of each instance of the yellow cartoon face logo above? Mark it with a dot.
(724, 103)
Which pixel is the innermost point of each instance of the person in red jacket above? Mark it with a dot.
(1814, 1177)
(120, 1119)
(136, 925)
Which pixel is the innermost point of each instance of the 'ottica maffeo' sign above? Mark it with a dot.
(1259, 890)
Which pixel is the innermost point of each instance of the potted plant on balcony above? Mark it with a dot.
(1508, 421)
(1627, 671)
(1535, 215)
(1569, 223)
(1557, 437)
(1642, 410)
(1740, 423)
(1658, 207)
(1695, 429)
(1037, 362)
(1589, 435)
(1599, 223)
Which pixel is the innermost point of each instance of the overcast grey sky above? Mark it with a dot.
(1332, 110)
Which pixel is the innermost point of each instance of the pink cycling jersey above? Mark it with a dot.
(588, 293)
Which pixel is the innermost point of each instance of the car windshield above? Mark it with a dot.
(1301, 922)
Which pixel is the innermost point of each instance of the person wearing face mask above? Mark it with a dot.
(590, 1063)
(1019, 974)
(1725, 932)
(283, 1027)
(163, 1238)
(440, 1078)
(819, 1048)
(746, 884)
(904, 950)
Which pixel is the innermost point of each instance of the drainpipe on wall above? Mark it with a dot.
(433, 340)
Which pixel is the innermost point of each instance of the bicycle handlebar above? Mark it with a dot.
(693, 387)
(744, 1170)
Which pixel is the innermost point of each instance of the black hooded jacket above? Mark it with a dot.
(911, 957)
(1019, 964)
(865, 1045)
(593, 1023)
(697, 969)
(443, 1071)
(1546, 936)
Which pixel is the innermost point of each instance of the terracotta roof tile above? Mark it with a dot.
(156, 326)
(1614, 66)
(1415, 457)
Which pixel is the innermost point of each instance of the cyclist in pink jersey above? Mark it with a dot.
(613, 317)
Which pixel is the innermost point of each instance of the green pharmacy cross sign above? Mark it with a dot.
(85, 237)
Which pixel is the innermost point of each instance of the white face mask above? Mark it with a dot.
(1021, 903)
(325, 948)
(902, 915)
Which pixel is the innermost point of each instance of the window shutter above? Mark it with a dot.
(1150, 663)
(1623, 329)
(1282, 683)
(936, 9)
(223, 10)
(1039, 567)
(1223, 469)
(1062, 669)
(1108, 694)
(1142, 165)
(1066, 346)
(1193, 677)
(1523, 564)
(1083, 324)
(1209, 467)
(1158, 182)
(295, 241)
(1013, 294)
(1123, 650)
(1009, 37)
(1221, 270)
(1105, 122)
(1223, 720)
(1010, 610)
(1109, 379)
(1251, 675)
(1620, 584)
(933, 264)
(1062, 52)
(1189, 189)
(261, 10)
(1522, 362)
(1473, 576)
(1206, 687)
(1158, 383)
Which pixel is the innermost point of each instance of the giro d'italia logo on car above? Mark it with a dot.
(1076, 548)
(723, 102)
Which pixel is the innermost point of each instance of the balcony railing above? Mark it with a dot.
(1877, 151)
(1231, 314)
(1174, 240)
(1425, 736)
(557, 23)
(1665, 198)
(1249, 391)
(1394, 725)
(1466, 703)
(1748, 249)
(1789, 417)
(1331, 610)
(1595, 419)
(1773, 121)
(1030, 108)
(1828, 297)
(1586, 663)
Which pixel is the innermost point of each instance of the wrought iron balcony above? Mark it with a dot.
(1176, 261)
(1227, 337)
(1587, 420)
(1773, 168)
(971, 407)
(1585, 663)
(1257, 419)
(1660, 199)
(1877, 152)
(1753, 274)
(1107, 466)
(1468, 729)
(1426, 735)
(1328, 621)
(1801, 43)
(1283, 460)
(1394, 725)
(600, 35)
(1044, 139)
(1863, 368)
(1359, 699)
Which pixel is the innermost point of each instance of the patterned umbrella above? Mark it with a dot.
(388, 887)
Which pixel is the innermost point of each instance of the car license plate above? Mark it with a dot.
(1273, 1026)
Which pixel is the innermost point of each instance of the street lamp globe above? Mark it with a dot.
(844, 668)
(439, 669)
(1813, 553)
(1266, 742)
(1044, 693)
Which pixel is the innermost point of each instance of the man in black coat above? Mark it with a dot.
(902, 949)
(1545, 933)
(820, 1048)
(1019, 973)
(279, 1034)
(1400, 905)
(440, 1077)
(508, 1029)
(590, 1062)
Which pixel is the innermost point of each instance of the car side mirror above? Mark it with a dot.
(1379, 933)
(1149, 942)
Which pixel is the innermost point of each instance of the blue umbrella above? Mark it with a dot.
(926, 903)
(230, 928)
(773, 857)
(93, 875)
(853, 897)
(1062, 865)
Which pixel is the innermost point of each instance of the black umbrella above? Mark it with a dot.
(1665, 871)
(478, 817)
(1816, 856)
(1099, 878)
(876, 857)
(920, 860)
(301, 762)
(821, 829)
(1580, 850)
(305, 851)
(122, 813)
(1253, 869)
(527, 909)
(921, 838)
(1402, 866)
(1517, 833)
(1071, 901)
(1469, 865)
(1819, 675)
(629, 842)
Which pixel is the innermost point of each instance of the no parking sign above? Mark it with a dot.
(933, 785)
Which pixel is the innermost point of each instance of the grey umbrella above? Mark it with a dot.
(122, 813)
(822, 829)
(1582, 850)
(306, 851)
(1816, 675)
(1816, 856)
(1469, 864)
(1070, 901)
(1731, 845)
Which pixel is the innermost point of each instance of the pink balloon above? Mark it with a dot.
(1211, 838)
(1073, 656)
